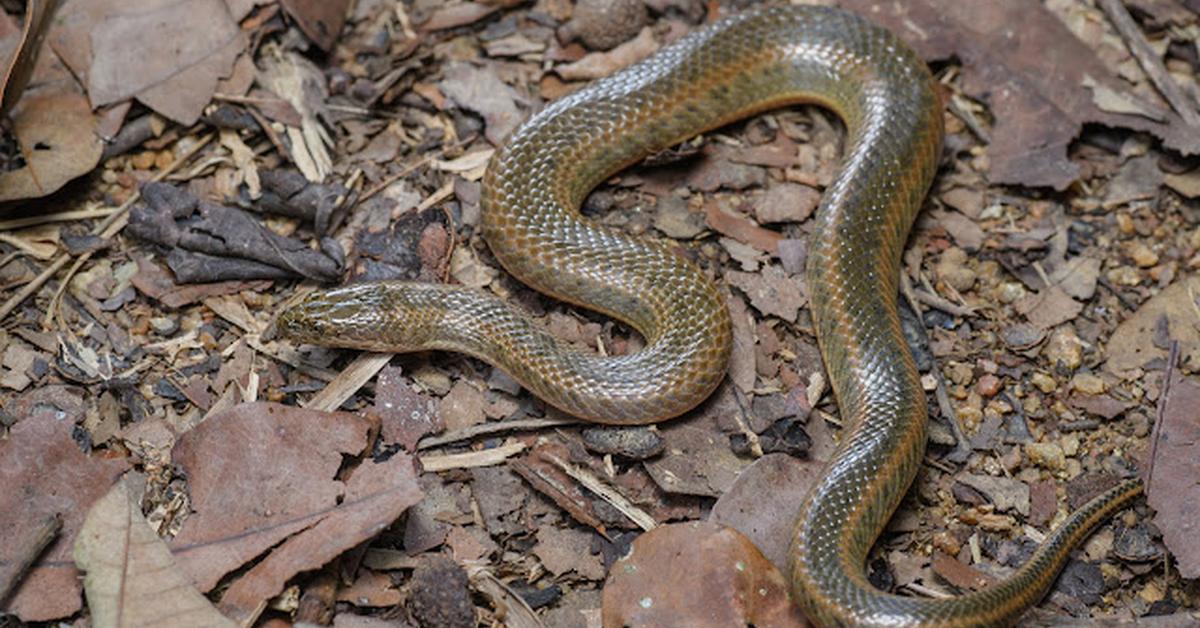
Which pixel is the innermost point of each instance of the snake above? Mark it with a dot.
(532, 191)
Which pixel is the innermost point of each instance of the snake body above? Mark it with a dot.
(743, 64)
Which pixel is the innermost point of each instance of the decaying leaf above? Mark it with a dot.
(1034, 74)
(257, 474)
(45, 474)
(132, 580)
(20, 65)
(1173, 488)
(700, 575)
(1133, 344)
(57, 134)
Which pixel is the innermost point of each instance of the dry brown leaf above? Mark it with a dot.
(1133, 344)
(599, 64)
(481, 91)
(57, 134)
(321, 20)
(1031, 70)
(169, 55)
(698, 574)
(38, 16)
(45, 474)
(376, 495)
(132, 580)
(768, 523)
(257, 474)
(1174, 466)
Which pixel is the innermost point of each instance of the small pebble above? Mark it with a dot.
(604, 24)
(1044, 382)
(1010, 292)
(988, 385)
(952, 268)
(1047, 455)
(1088, 384)
(1142, 255)
(1064, 348)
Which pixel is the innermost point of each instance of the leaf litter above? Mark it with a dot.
(1050, 314)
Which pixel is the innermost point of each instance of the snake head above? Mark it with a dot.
(346, 317)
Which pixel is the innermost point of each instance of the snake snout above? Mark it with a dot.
(329, 317)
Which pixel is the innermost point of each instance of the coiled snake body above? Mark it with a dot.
(743, 64)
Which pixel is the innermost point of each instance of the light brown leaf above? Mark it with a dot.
(132, 580)
(257, 474)
(57, 133)
(1032, 71)
(168, 55)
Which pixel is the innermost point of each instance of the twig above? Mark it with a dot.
(12, 570)
(469, 460)
(359, 372)
(614, 498)
(78, 214)
(1151, 64)
(484, 429)
(1160, 411)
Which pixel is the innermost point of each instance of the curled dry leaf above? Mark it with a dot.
(699, 575)
(57, 135)
(20, 66)
(132, 580)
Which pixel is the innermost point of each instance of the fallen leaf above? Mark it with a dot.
(1133, 344)
(156, 52)
(741, 228)
(600, 64)
(1021, 60)
(1049, 308)
(405, 414)
(57, 135)
(966, 232)
(958, 574)
(787, 202)
(376, 495)
(45, 474)
(455, 15)
(1173, 468)
(321, 20)
(771, 292)
(131, 578)
(768, 523)
(742, 370)
(481, 91)
(38, 17)
(567, 549)
(698, 574)
(698, 460)
(1006, 494)
(257, 474)
(462, 407)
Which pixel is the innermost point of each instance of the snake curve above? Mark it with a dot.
(741, 65)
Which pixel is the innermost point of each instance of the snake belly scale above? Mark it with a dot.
(741, 65)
